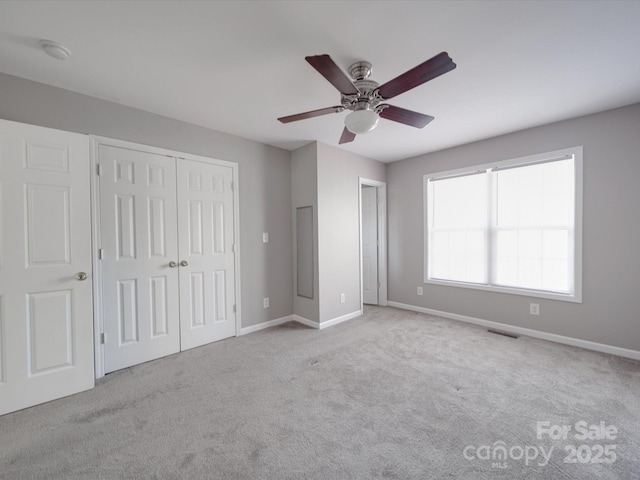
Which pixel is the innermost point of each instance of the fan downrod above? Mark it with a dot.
(360, 70)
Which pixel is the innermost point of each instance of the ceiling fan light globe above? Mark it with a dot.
(361, 121)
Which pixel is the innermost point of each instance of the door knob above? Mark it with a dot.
(184, 263)
(81, 276)
(173, 264)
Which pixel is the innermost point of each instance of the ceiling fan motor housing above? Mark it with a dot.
(360, 70)
(367, 98)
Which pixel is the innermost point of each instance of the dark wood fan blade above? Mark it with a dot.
(347, 136)
(408, 117)
(424, 72)
(311, 114)
(329, 70)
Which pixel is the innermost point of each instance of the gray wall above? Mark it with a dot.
(610, 312)
(339, 227)
(265, 177)
(304, 191)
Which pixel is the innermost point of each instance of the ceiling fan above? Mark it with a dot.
(364, 97)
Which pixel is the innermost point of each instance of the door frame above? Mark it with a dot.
(96, 142)
(381, 188)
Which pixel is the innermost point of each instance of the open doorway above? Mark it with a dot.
(373, 239)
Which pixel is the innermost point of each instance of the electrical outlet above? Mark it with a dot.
(342, 298)
(265, 237)
(420, 291)
(265, 302)
(534, 309)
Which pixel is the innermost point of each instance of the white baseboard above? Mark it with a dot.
(263, 325)
(552, 337)
(328, 323)
(305, 321)
(343, 318)
(280, 321)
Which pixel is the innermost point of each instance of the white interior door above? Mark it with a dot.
(207, 275)
(138, 225)
(370, 245)
(46, 324)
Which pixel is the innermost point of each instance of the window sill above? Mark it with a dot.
(575, 298)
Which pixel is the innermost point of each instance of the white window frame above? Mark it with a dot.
(577, 154)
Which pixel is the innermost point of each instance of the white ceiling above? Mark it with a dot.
(237, 66)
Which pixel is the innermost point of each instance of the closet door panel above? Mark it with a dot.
(138, 225)
(206, 238)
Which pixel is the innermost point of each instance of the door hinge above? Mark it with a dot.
(101, 254)
(234, 309)
(377, 243)
(98, 169)
(103, 338)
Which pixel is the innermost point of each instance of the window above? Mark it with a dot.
(512, 226)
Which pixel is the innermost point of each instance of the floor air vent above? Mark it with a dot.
(505, 334)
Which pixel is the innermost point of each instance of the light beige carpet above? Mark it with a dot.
(392, 394)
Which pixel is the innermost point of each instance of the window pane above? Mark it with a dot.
(440, 255)
(519, 196)
(555, 244)
(520, 253)
(507, 271)
(530, 244)
(534, 259)
(459, 256)
(457, 228)
(557, 203)
(556, 210)
(555, 275)
(534, 218)
(529, 273)
(535, 195)
(476, 250)
(507, 244)
(460, 202)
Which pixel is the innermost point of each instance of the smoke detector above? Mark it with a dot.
(55, 50)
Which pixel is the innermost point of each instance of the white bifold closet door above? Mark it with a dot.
(46, 315)
(207, 275)
(139, 242)
(168, 272)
